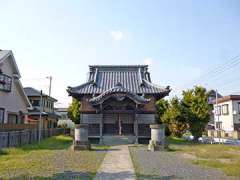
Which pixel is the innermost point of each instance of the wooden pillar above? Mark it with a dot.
(136, 124)
(136, 128)
(101, 126)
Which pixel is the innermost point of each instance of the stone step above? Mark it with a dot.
(118, 140)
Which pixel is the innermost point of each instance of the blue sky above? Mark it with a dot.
(180, 40)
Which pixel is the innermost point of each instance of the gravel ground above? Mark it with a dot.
(169, 165)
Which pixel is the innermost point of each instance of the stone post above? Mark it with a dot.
(81, 137)
(157, 141)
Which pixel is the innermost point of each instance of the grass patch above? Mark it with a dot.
(53, 158)
(52, 143)
(178, 141)
(223, 157)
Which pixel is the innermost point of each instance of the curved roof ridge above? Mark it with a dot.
(137, 65)
(80, 86)
(156, 85)
(118, 88)
(107, 76)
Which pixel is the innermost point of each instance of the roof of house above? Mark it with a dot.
(35, 111)
(212, 93)
(227, 98)
(4, 54)
(64, 109)
(102, 78)
(31, 92)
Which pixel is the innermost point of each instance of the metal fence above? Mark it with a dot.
(19, 138)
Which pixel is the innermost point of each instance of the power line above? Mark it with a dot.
(219, 69)
(232, 66)
(228, 81)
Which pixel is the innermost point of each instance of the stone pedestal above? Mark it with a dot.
(81, 137)
(157, 141)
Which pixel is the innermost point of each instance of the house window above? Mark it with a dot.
(1, 115)
(12, 118)
(218, 110)
(218, 125)
(225, 109)
(236, 126)
(239, 107)
(5, 83)
(36, 102)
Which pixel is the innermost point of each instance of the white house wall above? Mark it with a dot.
(13, 101)
(227, 120)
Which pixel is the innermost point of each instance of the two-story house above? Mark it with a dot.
(212, 95)
(49, 117)
(14, 103)
(227, 113)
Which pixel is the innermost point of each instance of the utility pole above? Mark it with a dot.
(40, 119)
(50, 85)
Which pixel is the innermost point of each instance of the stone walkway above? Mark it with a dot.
(117, 164)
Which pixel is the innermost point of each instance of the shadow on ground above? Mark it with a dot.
(69, 175)
(156, 177)
(105, 150)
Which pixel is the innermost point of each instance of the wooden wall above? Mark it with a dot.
(86, 107)
(151, 106)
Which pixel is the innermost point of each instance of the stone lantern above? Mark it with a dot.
(157, 141)
(81, 141)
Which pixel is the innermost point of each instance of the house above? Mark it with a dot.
(49, 117)
(14, 103)
(118, 100)
(212, 95)
(227, 113)
(63, 117)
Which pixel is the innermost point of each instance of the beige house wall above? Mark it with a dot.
(13, 101)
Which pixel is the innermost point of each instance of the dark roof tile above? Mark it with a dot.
(135, 78)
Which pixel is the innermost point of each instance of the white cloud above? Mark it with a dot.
(148, 61)
(116, 35)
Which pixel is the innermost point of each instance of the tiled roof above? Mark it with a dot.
(31, 92)
(119, 89)
(227, 98)
(134, 78)
(36, 112)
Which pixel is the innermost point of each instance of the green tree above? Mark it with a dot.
(162, 105)
(196, 110)
(174, 119)
(74, 111)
